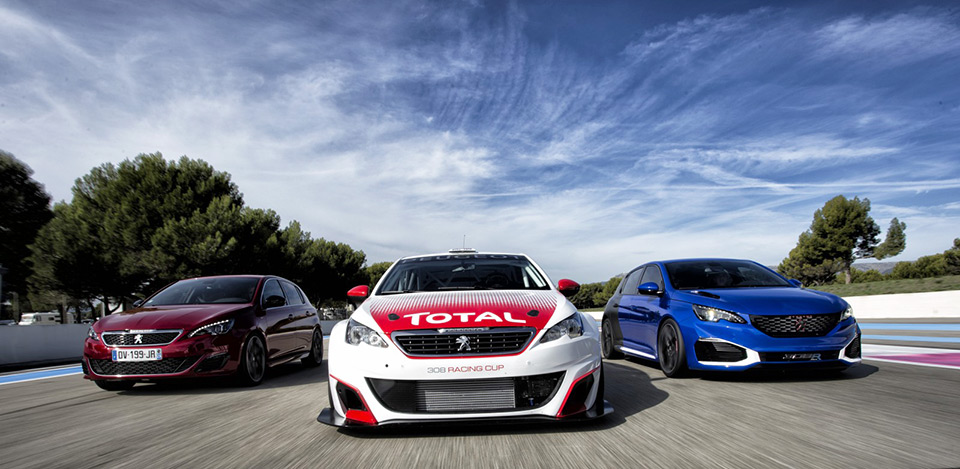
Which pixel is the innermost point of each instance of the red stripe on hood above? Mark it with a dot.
(436, 310)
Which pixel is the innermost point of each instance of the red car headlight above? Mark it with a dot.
(214, 328)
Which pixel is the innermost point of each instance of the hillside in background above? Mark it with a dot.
(886, 287)
(882, 267)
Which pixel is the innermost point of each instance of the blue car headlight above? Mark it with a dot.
(214, 328)
(570, 327)
(358, 333)
(847, 313)
(707, 313)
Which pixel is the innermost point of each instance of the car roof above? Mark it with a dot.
(229, 276)
(465, 253)
(699, 259)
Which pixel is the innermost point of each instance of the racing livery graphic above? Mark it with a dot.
(464, 336)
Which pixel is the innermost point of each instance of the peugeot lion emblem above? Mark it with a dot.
(138, 339)
(464, 343)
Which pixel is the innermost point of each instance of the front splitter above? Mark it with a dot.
(329, 417)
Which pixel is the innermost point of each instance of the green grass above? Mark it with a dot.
(886, 287)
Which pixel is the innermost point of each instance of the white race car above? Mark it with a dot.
(464, 336)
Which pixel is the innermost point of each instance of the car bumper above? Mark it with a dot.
(702, 341)
(184, 358)
(364, 383)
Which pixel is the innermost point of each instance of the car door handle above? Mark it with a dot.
(311, 313)
(616, 305)
(290, 316)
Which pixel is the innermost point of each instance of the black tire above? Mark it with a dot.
(670, 351)
(606, 341)
(115, 385)
(253, 361)
(316, 351)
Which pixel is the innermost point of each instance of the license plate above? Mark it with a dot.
(137, 355)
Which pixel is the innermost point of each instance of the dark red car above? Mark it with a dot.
(210, 326)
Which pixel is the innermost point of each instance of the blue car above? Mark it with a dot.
(726, 314)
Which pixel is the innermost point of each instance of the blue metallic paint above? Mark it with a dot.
(641, 315)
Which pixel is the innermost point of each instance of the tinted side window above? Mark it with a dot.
(632, 282)
(652, 274)
(303, 296)
(271, 288)
(619, 290)
(293, 296)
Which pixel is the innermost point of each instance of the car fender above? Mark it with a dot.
(610, 312)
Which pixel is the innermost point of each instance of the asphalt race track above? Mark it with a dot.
(878, 415)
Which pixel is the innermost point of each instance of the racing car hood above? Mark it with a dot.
(165, 317)
(766, 301)
(438, 310)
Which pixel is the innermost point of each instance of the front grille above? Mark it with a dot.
(853, 350)
(124, 339)
(718, 352)
(213, 363)
(158, 367)
(466, 395)
(431, 343)
(797, 325)
(799, 356)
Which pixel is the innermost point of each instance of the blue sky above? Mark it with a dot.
(593, 136)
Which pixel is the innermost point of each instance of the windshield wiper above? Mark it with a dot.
(397, 292)
(465, 288)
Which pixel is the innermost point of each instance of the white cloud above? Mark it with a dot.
(893, 40)
(399, 133)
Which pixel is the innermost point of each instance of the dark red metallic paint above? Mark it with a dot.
(287, 331)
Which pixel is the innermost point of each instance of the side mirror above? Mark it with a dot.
(273, 301)
(796, 283)
(649, 288)
(357, 294)
(568, 287)
(136, 304)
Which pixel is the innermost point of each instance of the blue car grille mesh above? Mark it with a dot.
(797, 325)
(718, 352)
(853, 350)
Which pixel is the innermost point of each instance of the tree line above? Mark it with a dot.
(936, 265)
(132, 228)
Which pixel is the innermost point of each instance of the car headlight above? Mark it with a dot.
(214, 328)
(571, 327)
(847, 313)
(706, 313)
(91, 334)
(358, 333)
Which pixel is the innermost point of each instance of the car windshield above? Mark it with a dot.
(207, 290)
(695, 275)
(462, 272)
